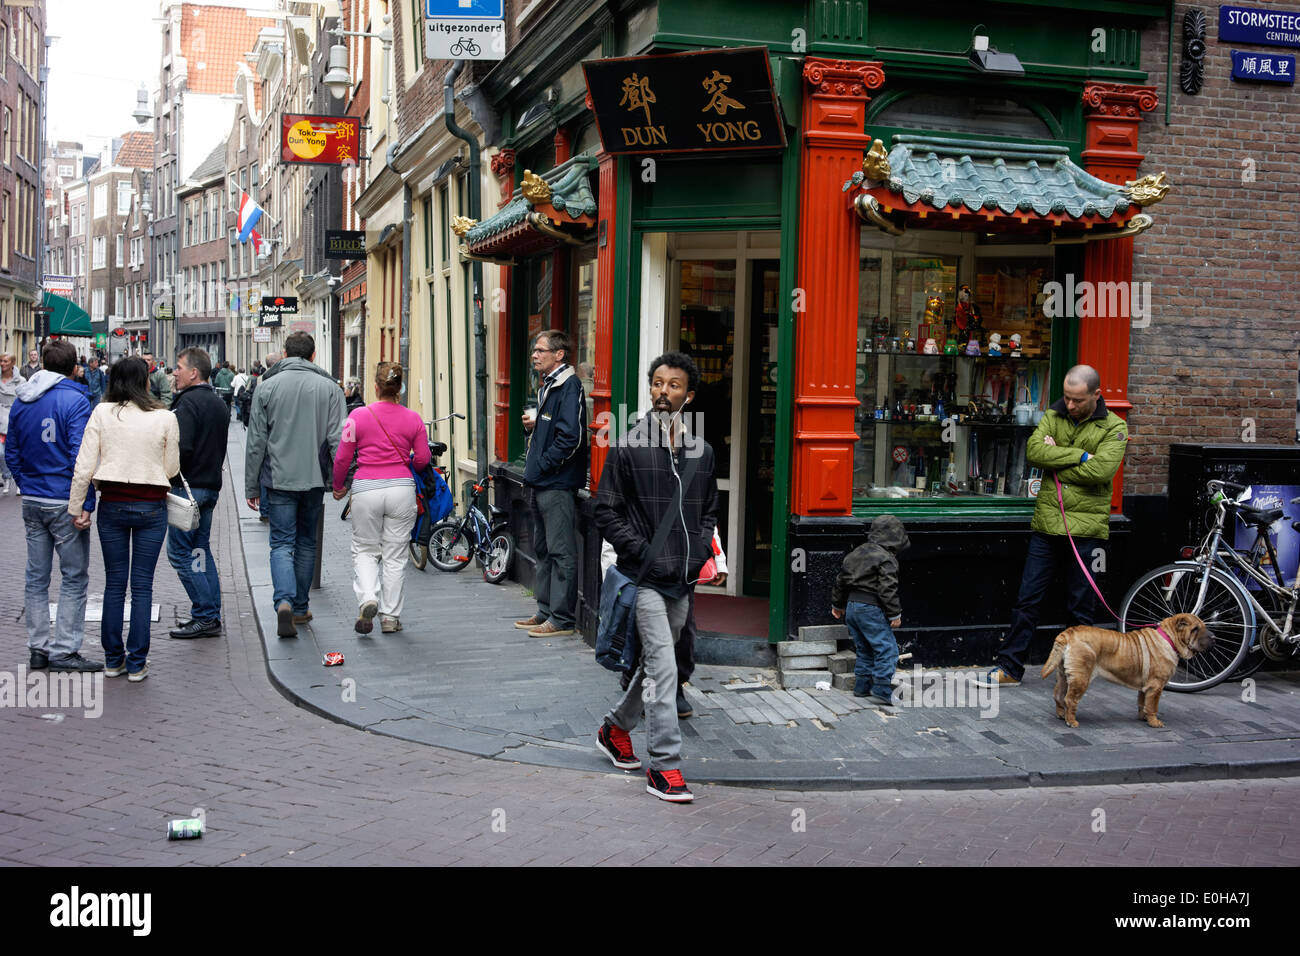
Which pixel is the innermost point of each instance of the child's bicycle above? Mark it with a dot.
(454, 541)
(1212, 583)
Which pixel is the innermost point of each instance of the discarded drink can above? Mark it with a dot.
(185, 829)
(333, 659)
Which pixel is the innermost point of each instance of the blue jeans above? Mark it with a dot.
(190, 553)
(877, 649)
(50, 529)
(1046, 553)
(293, 516)
(131, 536)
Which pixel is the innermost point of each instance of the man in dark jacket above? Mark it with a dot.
(46, 424)
(555, 468)
(865, 596)
(641, 486)
(204, 423)
(96, 381)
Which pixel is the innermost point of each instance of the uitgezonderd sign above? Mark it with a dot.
(705, 100)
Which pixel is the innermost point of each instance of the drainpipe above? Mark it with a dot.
(476, 267)
(404, 327)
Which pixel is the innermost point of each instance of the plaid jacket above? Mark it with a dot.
(637, 488)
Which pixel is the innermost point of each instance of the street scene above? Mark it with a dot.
(528, 433)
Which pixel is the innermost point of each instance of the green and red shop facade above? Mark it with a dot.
(883, 240)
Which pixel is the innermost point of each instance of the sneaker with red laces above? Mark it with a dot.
(668, 785)
(615, 744)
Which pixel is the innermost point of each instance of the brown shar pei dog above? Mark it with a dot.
(1140, 659)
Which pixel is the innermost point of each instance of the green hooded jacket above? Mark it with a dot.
(1086, 484)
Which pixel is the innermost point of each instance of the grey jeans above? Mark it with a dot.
(50, 529)
(555, 542)
(653, 689)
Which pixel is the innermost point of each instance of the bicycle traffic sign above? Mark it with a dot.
(464, 29)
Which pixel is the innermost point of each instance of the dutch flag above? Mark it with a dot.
(249, 213)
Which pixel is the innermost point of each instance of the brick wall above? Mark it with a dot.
(1223, 259)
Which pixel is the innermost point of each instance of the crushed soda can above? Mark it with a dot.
(333, 659)
(185, 829)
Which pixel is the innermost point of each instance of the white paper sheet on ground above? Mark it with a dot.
(95, 612)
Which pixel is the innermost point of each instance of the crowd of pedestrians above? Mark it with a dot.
(140, 451)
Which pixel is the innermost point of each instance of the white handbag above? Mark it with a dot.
(182, 513)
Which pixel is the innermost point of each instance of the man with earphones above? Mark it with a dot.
(658, 476)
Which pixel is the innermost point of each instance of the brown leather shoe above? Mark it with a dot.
(528, 623)
(549, 630)
(303, 618)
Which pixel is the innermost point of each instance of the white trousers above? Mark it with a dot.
(381, 530)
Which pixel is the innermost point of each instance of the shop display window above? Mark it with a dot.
(953, 361)
(583, 326)
(708, 335)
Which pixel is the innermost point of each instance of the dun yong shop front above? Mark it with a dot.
(883, 279)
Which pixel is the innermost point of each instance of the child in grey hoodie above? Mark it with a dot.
(865, 597)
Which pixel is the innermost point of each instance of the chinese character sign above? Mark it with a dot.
(1263, 67)
(321, 140)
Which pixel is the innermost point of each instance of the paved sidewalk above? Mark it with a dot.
(460, 676)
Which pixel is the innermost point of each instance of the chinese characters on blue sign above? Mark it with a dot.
(1268, 67)
(1263, 27)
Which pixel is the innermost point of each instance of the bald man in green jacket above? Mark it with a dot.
(1081, 444)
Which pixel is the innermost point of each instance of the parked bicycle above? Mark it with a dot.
(1213, 582)
(455, 541)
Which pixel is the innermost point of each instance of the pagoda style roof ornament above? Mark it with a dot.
(1147, 190)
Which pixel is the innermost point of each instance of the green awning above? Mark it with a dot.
(66, 317)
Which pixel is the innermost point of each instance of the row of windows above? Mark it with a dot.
(204, 219)
(23, 42)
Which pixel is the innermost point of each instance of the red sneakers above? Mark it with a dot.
(669, 785)
(615, 744)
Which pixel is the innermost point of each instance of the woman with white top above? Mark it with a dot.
(9, 382)
(130, 450)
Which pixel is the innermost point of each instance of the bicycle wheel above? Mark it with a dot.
(449, 547)
(1226, 611)
(500, 551)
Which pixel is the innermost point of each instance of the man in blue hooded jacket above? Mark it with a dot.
(46, 423)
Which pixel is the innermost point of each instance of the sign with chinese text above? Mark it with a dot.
(320, 140)
(1268, 67)
(261, 334)
(686, 102)
(345, 244)
(1264, 27)
(464, 29)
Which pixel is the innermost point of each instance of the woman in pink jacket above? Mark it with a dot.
(383, 436)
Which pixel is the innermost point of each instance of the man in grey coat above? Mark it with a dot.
(293, 434)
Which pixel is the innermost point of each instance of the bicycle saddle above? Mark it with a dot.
(437, 448)
(1257, 516)
(497, 513)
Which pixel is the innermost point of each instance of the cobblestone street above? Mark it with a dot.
(279, 784)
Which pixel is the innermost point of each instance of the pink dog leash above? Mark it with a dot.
(1060, 500)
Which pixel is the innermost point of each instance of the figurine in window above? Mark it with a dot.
(931, 347)
(973, 347)
(1015, 345)
(995, 344)
(963, 314)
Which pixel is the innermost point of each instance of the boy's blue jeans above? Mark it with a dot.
(877, 650)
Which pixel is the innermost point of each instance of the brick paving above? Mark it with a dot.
(280, 785)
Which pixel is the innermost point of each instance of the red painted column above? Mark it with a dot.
(503, 166)
(834, 111)
(601, 394)
(1112, 114)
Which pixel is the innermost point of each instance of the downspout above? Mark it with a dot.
(475, 212)
(404, 326)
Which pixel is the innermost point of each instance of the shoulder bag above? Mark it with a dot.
(617, 646)
(433, 500)
(182, 513)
